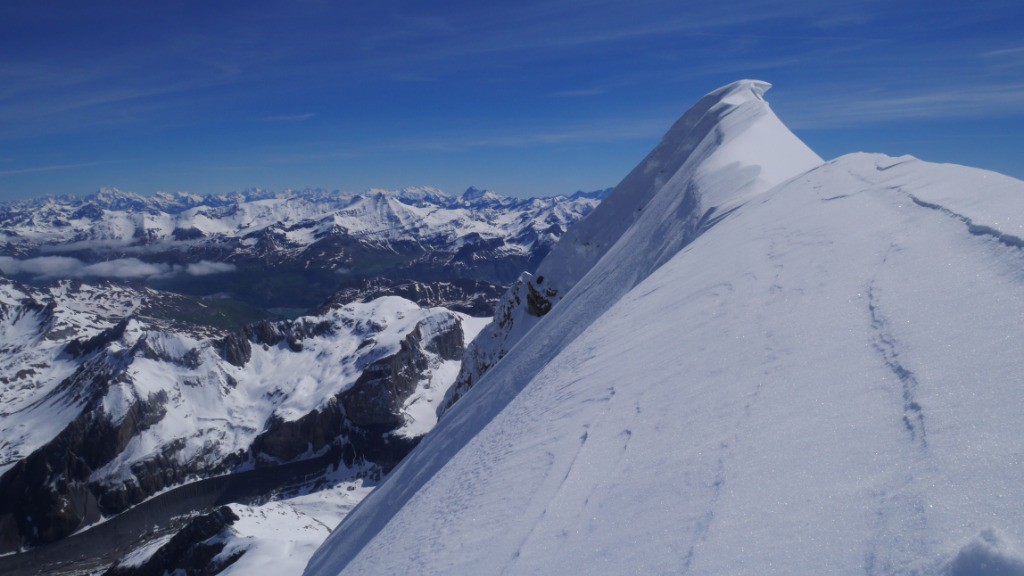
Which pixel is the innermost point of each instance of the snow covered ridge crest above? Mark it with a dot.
(728, 147)
(821, 375)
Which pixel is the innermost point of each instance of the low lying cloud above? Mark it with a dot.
(205, 268)
(57, 267)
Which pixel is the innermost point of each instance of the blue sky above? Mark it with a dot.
(527, 97)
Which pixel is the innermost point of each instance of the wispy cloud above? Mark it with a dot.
(205, 268)
(290, 117)
(53, 168)
(1003, 52)
(54, 267)
(871, 105)
(582, 93)
(288, 158)
(608, 131)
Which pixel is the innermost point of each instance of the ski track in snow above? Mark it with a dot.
(975, 229)
(887, 347)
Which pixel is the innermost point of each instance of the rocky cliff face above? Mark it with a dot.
(474, 297)
(193, 550)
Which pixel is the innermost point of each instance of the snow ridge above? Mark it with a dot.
(725, 150)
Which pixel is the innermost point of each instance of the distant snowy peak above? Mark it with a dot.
(472, 193)
(476, 196)
(593, 195)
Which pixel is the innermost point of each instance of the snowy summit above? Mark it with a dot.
(745, 361)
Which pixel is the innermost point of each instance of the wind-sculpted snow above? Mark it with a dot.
(727, 148)
(824, 381)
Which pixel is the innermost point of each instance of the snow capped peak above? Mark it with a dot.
(740, 90)
(115, 199)
(476, 196)
(474, 193)
(728, 146)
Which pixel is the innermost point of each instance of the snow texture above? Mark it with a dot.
(821, 376)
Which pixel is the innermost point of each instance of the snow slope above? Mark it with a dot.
(825, 381)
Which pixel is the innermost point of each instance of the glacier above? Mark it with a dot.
(751, 361)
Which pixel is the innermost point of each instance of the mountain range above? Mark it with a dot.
(312, 240)
(744, 360)
(126, 411)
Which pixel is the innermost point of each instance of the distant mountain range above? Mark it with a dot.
(311, 240)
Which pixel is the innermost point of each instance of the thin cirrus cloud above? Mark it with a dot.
(53, 267)
(53, 168)
(618, 130)
(1005, 52)
(871, 106)
(581, 93)
(289, 117)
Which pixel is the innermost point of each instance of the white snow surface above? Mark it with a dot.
(825, 381)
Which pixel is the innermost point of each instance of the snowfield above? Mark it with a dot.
(755, 363)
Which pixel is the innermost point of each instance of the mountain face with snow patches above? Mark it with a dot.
(111, 395)
(311, 240)
(745, 361)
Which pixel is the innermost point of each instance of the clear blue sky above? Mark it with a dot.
(527, 97)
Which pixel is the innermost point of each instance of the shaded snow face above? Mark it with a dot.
(987, 555)
(826, 380)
